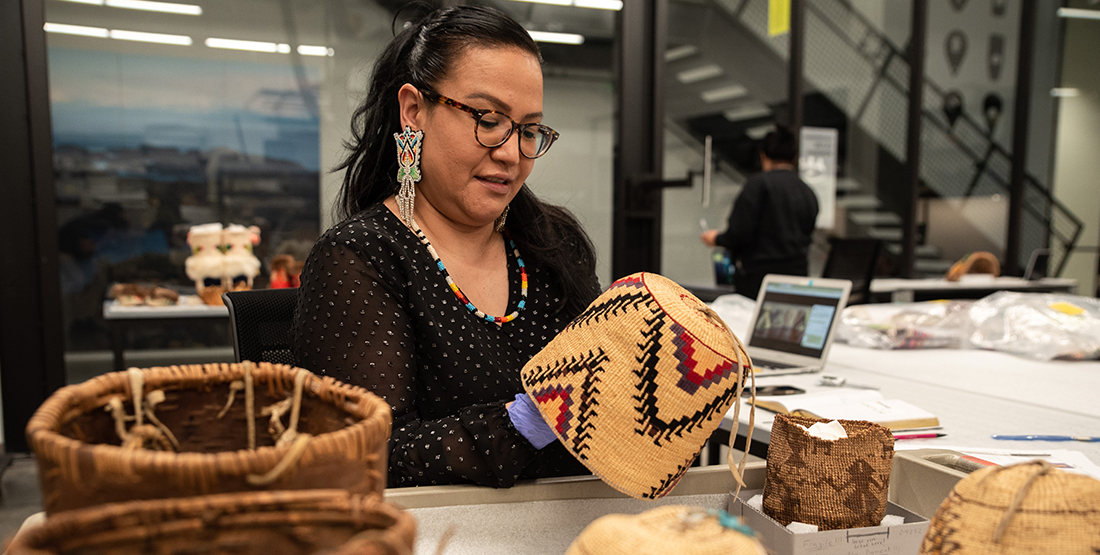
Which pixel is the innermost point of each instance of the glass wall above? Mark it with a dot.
(235, 112)
(856, 89)
(727, 79)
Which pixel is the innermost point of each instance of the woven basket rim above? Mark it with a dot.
(42, 434)
(703, 341)
(863, 427)
(155, 513)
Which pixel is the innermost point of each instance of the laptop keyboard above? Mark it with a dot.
(772, 364)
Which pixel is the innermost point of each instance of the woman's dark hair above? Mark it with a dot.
(779, 145)
(421, 55)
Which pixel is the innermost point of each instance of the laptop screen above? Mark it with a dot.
(795, 318)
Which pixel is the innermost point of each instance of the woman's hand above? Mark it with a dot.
(708, 237)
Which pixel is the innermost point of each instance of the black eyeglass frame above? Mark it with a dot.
(478, 114)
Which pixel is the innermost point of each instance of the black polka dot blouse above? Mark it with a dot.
(375, 311)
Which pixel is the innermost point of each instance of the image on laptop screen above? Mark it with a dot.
(795, 318)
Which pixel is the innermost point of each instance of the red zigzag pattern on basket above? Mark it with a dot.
(650, 423)
(691, 379)
(591, 366)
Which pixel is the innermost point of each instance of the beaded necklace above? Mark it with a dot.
(458, 292)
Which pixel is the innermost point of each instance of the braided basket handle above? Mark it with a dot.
(744, 362)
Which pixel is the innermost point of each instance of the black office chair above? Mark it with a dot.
(854, 260)
(260, 324)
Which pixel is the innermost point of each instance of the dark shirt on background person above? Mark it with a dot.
(771, 225)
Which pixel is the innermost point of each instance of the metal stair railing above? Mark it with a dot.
(864, 74)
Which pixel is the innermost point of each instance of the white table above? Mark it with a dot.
(120, 319)
(970, 287)
(974, 393)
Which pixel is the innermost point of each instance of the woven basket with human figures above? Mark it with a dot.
(192, 435)
(834, 484)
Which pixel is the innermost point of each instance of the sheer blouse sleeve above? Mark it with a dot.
(353, 323)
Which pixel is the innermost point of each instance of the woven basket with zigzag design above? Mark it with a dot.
(636, 384)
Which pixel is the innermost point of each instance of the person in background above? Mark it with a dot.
(448, 273)
(771, 225)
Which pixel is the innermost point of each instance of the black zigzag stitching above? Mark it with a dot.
(649, 423)
(586, 411)
(647, 375)
(668, 482)
(567, 366)
(611, 307)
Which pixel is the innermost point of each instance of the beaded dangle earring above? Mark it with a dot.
(499, 227)
(408, 170)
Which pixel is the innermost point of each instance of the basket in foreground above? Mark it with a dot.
(334, 522)
(92, 447)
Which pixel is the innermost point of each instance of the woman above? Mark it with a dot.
(459, 95)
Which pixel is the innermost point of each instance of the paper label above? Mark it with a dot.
(779, 17)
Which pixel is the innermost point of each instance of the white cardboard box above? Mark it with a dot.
(902, 539)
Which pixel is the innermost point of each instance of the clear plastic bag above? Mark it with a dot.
(925, 325)
(1041, 326)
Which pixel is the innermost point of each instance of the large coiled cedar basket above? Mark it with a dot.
(333, 522)
(337, 435)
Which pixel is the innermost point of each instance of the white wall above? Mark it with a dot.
(684, 258)
(577, 172)
(1076, 164)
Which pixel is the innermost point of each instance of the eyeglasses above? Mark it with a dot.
(492, 128)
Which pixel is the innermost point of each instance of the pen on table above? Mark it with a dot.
(918, 436)
(1042, 437)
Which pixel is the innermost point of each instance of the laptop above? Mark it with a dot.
(794, 323)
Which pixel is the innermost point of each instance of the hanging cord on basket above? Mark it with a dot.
(234, 387)
(153, 399)
(297, 441)
(249, 404)
(1044, 469)
(136, 437)
(295, 410)
(743, 362)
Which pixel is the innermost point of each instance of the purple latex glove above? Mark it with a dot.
(528, 420)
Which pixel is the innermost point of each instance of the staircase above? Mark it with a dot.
(857, 82)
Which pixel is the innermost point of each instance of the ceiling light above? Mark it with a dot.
(314, 50)
(596, 4)
(166, 7)
(559, 38)
(747, 111)
(1077, 13)
(75, 30)
(551, 2)
(701, 73)
(599, 4)
(252, 45)
(758, 132)
(724, 93)
(179, 40)
(680, 52)
(1064, 92)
